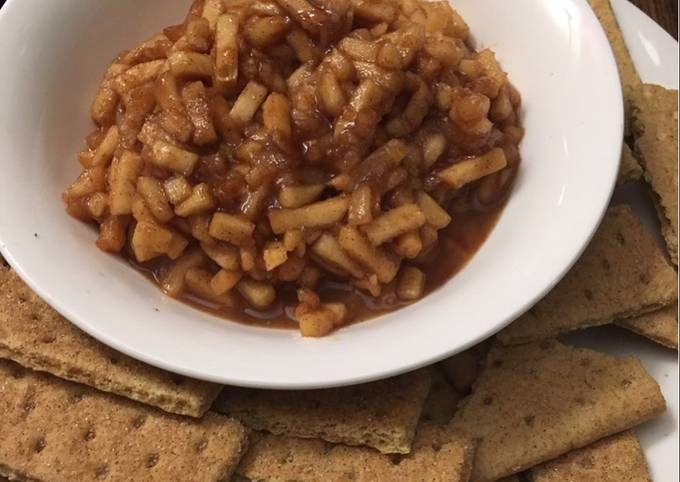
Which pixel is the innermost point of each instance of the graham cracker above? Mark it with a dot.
(462, 369)
(382, 414)
(629, 168)
(536, 402)
(660, 326)
(628, 75)
(438, 456)
(442, 401)
(35, 336)
(655, 127)
(622, 273)
(59, 431)
(614, 459)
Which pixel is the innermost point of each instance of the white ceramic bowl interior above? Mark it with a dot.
(55, 52)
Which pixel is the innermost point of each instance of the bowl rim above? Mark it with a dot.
(93, 330)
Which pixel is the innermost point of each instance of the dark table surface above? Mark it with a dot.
(665, 12)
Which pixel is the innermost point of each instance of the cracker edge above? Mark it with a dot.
(100, 381)
(399, 446)
(519, 470)
(626, 435)
(661, 340)
(468, 444)
(508, 338)
(105, 384)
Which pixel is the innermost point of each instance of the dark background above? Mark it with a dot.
(665, 12)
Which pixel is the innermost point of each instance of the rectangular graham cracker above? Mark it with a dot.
(655, 128)
(442, 401)
(614, 459)
(536, 402)
(622, 273)
(629, 168)
(34, 335)
(437, 456)
(58, 431)
(382, 414)
(660, 326)
(629, 76)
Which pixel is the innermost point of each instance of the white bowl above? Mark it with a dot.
(53, 54)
